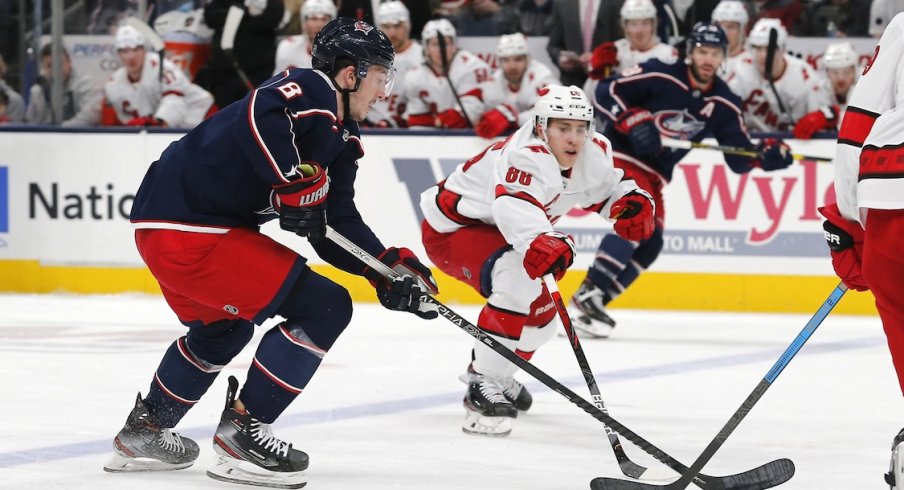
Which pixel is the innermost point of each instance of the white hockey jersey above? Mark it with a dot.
(498, 90)
(869, 173)
(732, 63)
(628, 57)
(293, 52)
(392, 109)
(800, 87)
(517, 185)
(428, 93)
(177, 101)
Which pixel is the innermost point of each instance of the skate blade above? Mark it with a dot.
(480, 425)
(123, 464)
(233, 470)
(587, 326)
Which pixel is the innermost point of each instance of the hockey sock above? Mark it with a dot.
(532, 338)
(644, 256)
(504, 326)
(612, 258)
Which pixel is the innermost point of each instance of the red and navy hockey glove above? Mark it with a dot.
(603, 60)
(633, 215)
(638, 126)
(405, 292)
(549, 253)
(146, 121)
(496, 121)
(824, 119)
(776, 155)
(845, 239)
(451, 119)
(302, 203)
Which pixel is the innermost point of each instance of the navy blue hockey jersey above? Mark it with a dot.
(221, 174)
(680, 111)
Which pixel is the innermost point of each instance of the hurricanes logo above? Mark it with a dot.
(679, 125)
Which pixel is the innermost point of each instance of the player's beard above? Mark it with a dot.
(699, 78)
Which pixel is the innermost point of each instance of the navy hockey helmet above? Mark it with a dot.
(362, 43)
(706, 34)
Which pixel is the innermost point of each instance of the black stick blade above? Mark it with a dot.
(766, 476)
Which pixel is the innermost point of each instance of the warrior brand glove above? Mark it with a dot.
(452, 119)
(302, 203)
(603, 60)
(776, 155)
(147, 121)
(633, 215)
(845, 239)
(824, 119)
(637, 124)
(495, 121)
(549, 253)
(405, 292)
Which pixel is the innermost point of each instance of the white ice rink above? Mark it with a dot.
(384, 411)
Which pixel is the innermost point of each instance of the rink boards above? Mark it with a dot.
(749, 242)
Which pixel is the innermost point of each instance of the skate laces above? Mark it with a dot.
(511, 387)
(263, 435)
(492, 391)
(170, 441)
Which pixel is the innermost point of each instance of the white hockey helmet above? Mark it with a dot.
(759, 35)
(731, 11)
(560, 102)
(128, 37)
(436, 27)
(318, 7)
(512, 45)
(392, 13)
(840, 55)
(637, 9)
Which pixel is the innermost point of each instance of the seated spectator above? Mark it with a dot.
(836, 18)
(535, 17)
(880, 14)
(81, 100)
(432, 102)
(295, 51)
(840, 62)
(787, 11)
(514, 88)
(394, 19)
(731, 16)
(143, 95)
(15, 105)
(488, 18)
(798, 89)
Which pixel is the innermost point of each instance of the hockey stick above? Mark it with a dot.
(604, 483)
(628, 467)
(227, 41)
(770, 57)
(152, 38)
(766, 476)
(732, 150)
(441, 40)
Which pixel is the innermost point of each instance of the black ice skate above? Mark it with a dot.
(895, 475)
(588, 312)
(143, 446)
(488, 411)
(249, 454)
(515, 392)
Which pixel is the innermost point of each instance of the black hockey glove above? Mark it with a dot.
(302, 203)
(638, 126)
(405, 292)
(776, 154)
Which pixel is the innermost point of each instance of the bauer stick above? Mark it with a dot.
(152, 38)
(227, 41)
(628, 467)
(441, 40)
(604, 483)
(732, 150)
(766, 476)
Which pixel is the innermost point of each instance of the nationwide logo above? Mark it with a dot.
(4, 203)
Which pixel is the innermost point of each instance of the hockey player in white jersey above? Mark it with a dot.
(864, 228)
(511, 94)
(840, 62)
(491, 223)
(394, 19)
(799, 87)
(143, 96)
(295, 51)
(431, 101)
(732, 17)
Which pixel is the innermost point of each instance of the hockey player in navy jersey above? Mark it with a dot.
(643, 104)
(287, 151)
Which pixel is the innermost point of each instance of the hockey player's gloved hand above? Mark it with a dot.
(776, 155)
(302, 203)
(452, 119)
(633, 215)
(637, 124)
(495, 121)
(147, 121)
(825, 119)
(845, 239)
(603, 60)
(405, 292)
(549, 253)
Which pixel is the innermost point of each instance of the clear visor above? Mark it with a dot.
(385, 80)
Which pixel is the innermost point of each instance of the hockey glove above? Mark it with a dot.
(549, 253)
(633, 215)
(302, 203)
(404, 293)
(776, 155)
(845, 239)
(825, 119)
(451, 119)
(603, 60)
(146, 121)
(637, 124)
(496, 121)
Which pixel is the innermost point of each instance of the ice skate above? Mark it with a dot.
(488, 412)
(588, 313)
(143, 446)
(515, 392)
(247, 452)
(895, 475)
